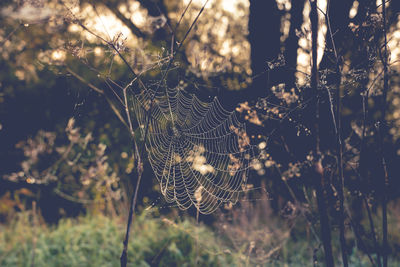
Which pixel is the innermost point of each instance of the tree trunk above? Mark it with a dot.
(318, 170)
(264, 38)
(292, 42)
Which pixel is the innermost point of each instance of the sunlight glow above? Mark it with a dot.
(394, 44)
(354, 9)
(58, 55)
(304, 52)
(221, 36)
(284, 4)
(106, 24)
(98, 51)
(138, 15)
(229, 6)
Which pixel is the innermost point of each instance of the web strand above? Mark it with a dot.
(199, 152)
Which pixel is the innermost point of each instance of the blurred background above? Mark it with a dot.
(67, 164)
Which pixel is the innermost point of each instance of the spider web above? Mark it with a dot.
(199, 152)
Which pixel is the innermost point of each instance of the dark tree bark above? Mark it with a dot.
(382, 134)
(339, 20)
(364, 7)
(264, 38)
(154, 7)
(318, 169)
(157, 8)
(292, 42)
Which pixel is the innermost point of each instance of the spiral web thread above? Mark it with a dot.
(199, 152)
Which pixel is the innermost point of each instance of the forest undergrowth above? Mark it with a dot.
(95, 240)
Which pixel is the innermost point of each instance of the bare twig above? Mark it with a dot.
(373, 232)
(11, 34)
(365, 96)
(359, 239)
(124, 255)
(100, 91)
(339, 142)
(34, 238)
(80, 78)
(382, 133)
(371, 221)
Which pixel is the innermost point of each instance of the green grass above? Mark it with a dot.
(97, 241)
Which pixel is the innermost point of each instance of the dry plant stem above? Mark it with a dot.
(371, 222)
(11, 34)
(382, 133)
(297, 203)
(100, 91)
(124, 255)
(339, 144)
(197, 236)
(341, 177)
(34, 241)
(80, 78)
(370, 219)
(359, 238)
(318, 170)
(373, 233)
(356, 230)
(127, 113)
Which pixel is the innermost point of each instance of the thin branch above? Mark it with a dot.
(98, 90)
(11, 34)
(365, 96)
(339, 143)
(110, 44)
(80, 78)
(371, 221)
(127, 109)
(34, 238)
(124, 255)
(359, 239)
(382, 133)
(183, 14)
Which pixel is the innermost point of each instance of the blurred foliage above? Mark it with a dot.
(78, 171)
